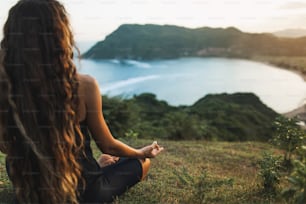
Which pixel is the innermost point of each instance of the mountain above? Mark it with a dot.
(291, 33)
(134, 41)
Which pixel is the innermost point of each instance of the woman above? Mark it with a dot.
(48, 112)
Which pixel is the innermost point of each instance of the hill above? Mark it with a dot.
(192, 172)
(223, 117)
(232, 117)
(198, 171)
(151, 41)
(291, 33)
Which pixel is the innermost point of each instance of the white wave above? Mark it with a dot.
(138, 64)
(115, 61)
(127, 82)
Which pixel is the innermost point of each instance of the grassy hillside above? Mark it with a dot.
(236, 117)
(223, 117)
(151, 41)
(195, 168)
(194, 172)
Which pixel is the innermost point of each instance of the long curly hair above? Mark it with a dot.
(39, 100)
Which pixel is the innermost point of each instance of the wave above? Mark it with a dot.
(127, 82)
(115, 61)
(134, 63)
(139, 64)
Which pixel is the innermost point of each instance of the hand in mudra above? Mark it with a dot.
(152, 150)
(106, 159)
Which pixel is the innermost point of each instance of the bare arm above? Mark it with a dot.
(101, 133)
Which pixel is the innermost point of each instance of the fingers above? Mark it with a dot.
(150, 151)
(156, 148)
(106, 160)
(107, 156)
(115, 158)
(155, 145)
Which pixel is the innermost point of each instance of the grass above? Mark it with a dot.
(193, 172)
(204, 172)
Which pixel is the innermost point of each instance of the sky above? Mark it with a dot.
(92, 20)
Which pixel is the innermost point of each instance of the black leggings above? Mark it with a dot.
(110, 181)
(113, 181)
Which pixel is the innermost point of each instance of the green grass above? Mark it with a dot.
(5, 186)
(194, 172)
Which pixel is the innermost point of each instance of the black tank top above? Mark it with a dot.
(88, 162)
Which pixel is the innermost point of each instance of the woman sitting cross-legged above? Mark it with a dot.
(49, 113)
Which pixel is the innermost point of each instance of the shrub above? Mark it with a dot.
(117, 115)
(180, 125)
(130, 136)
(289, 136)
(269, 171)
(296, 193)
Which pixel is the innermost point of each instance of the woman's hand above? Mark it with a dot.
(151, 151)
(106, 159)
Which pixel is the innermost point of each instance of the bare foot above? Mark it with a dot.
(106, 159)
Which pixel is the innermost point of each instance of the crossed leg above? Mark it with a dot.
(105, 160)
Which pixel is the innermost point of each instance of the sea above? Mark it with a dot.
(183, 81)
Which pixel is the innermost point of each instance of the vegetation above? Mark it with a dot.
(225, 117)
(197, 169)
(292, 140)
(132, 41)
(269, 171)
(288, 136)
(296, 193)
(193, 172)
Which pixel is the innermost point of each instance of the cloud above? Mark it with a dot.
(294, 5)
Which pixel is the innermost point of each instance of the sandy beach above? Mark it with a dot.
(299, 112)
(293, 64)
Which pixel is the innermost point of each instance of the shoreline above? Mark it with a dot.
(293, 64)
(298, 72)
(300, 111)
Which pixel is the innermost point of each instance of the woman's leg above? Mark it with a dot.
(113, 180)
(145, 163)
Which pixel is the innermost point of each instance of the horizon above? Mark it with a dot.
(260, 16)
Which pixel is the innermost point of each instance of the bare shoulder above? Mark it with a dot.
(89, 91)
(87, 82)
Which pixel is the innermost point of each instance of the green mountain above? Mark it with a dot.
(225, 117)
(239, 116)
(150, 41)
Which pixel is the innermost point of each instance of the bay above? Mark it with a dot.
(185, 80)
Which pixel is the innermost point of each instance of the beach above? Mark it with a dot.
(291, 65)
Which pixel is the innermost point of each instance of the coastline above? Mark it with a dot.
(299, 112)
(282, 63)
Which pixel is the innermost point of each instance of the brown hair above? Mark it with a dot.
(39, 98)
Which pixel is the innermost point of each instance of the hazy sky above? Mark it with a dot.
(94, 19)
